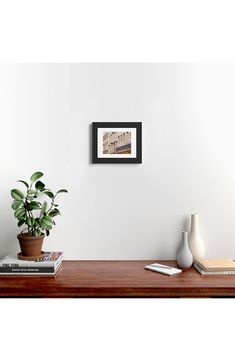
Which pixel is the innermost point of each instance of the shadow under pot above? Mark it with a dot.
(31, 246)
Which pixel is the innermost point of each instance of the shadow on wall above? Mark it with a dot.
(9, 229)
(185, 226)
(90, 144)
(171, 244)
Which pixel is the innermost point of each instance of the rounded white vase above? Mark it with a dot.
(184, 257)
(196, 243)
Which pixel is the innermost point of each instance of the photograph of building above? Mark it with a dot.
(117, 143)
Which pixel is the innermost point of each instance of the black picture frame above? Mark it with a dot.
(136, 125)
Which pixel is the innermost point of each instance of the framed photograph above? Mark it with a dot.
(117, 142)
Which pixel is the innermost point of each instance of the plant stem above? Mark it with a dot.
(26, 200)
(52, 204)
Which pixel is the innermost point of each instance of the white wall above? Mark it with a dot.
(123, 211)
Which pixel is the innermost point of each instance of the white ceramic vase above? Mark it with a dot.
(196, 243)
(184, 257)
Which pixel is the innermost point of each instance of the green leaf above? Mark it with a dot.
(44, 208)
(35, 176)
(54, 212)
(32, 191)
(21, 222)
(48, 228)
(47, 221)
(19, 213)
(49, 194)
(38, 222)
(33, 205)
(17, 195)
(62, 191)
(31, 198)
(30, 221)
(16, 204)
(21, 218)
(39, 186)
(36, 232)
(44, 226)
(25, 183)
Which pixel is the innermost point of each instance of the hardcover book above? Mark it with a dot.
(214, 272)
(23, 271)
(216, 264)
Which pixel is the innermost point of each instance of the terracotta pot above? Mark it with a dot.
(30, 245)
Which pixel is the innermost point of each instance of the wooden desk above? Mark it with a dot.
(116, 279)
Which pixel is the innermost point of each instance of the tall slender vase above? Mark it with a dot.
(196, 243)
(184, 257)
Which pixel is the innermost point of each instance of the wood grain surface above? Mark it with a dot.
(116, 279)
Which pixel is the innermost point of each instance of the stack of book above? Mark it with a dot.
(219, 266)
(47, 265)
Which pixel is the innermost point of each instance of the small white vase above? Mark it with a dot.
(196, 243)
(184, 257)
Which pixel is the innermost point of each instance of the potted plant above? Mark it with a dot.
(36, 213)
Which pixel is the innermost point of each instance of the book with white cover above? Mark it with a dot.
(164, 269)
(21, 271)
(49, 259)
